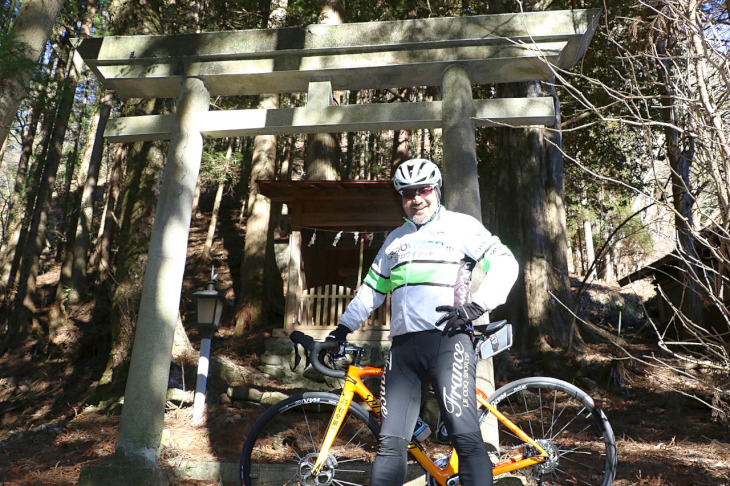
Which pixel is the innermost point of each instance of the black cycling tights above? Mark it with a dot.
(449, 365)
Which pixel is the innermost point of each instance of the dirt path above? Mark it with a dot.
(664, 437)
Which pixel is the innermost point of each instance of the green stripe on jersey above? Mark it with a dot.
(443, 273)
(378, 282)
(484, 263)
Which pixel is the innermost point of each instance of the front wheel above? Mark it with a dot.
(565, 422)
(283, 444)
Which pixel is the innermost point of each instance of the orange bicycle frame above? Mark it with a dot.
(354, 385)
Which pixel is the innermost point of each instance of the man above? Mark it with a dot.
(426, 265)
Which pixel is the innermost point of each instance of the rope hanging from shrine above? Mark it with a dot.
(359, 237)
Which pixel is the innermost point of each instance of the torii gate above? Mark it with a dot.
(453, 53)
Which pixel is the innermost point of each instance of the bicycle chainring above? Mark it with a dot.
(442, 463)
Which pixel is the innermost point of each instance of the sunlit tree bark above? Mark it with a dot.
(79, 255)
(30, 30)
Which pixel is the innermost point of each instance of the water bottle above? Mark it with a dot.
(422, 431)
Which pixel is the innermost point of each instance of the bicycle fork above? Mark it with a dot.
(353, 384)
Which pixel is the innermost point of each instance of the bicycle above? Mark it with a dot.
(549, 431)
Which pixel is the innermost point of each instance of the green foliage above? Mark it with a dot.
(303, 12)
(14, 54)
(611, 152)
(616, 85)
(217, 168)
(632, 240)
(165, 18)
(8, 10)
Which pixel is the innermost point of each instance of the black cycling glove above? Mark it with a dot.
(339, 334)
(458, 318)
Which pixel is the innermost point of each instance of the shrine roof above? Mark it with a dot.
(364, 205)
(289, 191)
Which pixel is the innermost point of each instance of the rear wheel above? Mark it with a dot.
(565, 422)
(283, 444)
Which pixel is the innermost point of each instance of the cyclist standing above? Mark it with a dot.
(426, 265)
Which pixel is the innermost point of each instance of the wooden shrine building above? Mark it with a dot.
(336, 231)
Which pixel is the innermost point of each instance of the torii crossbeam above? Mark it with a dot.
(492, 48)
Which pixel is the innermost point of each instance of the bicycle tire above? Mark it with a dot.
(283, 444)
(565, 421)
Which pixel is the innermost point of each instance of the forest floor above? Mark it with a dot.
(664, 437)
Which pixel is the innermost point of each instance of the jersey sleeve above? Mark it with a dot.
(370, 295)
(497, 261)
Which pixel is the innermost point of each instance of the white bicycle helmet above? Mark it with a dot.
(417, 172)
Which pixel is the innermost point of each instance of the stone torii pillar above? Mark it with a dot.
(146, 392)
(461, 185)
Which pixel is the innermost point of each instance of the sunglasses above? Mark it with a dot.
(411, 192)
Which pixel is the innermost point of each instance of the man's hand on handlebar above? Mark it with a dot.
(339, 334)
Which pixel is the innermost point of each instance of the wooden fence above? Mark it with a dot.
(322, 306)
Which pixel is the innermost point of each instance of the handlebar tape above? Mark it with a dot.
(312, 347)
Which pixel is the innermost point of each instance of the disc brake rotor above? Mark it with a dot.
(326, 474)
(552, 461)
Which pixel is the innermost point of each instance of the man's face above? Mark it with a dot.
(419, 203)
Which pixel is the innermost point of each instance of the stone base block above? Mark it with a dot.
(124, 476)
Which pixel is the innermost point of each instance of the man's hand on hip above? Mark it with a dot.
(459, 318)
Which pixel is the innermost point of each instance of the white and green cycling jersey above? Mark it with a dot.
(427, 266)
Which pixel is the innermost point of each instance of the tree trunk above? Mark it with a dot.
(31, 26)
(216, 207)
(76, 173)
(100, 260)
(137, 215)
(23, 196)
(196, 200)
(24, 304)
(79, 216)
(680, 153)
(590, 252)
(323, 155)
(401, 148)
(362, 163)
(323, 149)
(712, 102)
(78, 282)
(253, 307)
(577, 254)
(533, 225)
(3, 147)
(401, 141)
(332, 12)
(250, 312)
(213, 221)
(17, 202)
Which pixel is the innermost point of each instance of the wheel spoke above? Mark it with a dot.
(285, 442)
(564, 422)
